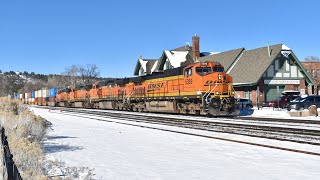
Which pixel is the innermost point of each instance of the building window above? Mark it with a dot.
(248, 93)
(141, 71)
(167, 65)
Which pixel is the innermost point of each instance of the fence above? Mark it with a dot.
(12, 170)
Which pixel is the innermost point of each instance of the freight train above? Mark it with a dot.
(202, 88)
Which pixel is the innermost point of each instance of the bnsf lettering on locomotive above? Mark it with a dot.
(155, 86)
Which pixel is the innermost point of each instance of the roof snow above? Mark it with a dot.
(284, 47)
(143, 64)
(176, 57)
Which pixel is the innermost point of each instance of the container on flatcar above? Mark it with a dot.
(29, 97)
(44, 93)
(53, 92)
(33, 94)
(21, 96)
(38, 97)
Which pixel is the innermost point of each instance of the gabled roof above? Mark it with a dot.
(176, 58)
(225, 58)
(253, 63)
(150, 65)
(146, 64)
(183, 48)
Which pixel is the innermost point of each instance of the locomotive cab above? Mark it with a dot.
(213, 86)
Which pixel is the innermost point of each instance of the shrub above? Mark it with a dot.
(25, 133)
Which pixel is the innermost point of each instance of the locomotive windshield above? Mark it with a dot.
(203, 70)
(218, 69)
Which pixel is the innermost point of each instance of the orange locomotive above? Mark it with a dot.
(199, 88)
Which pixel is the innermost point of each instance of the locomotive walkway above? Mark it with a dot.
(295, 134)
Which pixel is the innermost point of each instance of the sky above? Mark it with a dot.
(48, 36)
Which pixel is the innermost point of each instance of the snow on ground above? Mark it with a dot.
(270, 112)
(118, 151)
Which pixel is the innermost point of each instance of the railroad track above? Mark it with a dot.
(292, 134)
(125, 121)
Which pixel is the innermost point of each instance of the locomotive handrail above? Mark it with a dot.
(210, 92)
(206, 92)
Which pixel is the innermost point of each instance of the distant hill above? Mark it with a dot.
(12, 82)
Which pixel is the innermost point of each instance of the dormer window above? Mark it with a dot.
(167, 65)
(141, 71)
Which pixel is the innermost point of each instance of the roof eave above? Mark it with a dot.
(244, 84)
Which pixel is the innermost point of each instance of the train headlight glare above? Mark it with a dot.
(217, 92)
(219, 76)
(232, 92)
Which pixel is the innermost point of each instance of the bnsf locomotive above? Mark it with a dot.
(201, 88)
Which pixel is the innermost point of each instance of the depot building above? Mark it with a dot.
(260, 74)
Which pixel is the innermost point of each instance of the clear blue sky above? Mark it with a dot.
(45, 36)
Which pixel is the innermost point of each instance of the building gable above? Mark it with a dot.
(273, 62)
(172, 59)
(253, 63)
(144, 67)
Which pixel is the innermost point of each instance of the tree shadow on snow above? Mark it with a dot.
(59, 137)
(55, 147)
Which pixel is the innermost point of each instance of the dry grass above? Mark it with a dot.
(25, 132)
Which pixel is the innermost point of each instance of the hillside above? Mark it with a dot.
(22, 82)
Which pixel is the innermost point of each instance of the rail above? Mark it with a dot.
(12, 170)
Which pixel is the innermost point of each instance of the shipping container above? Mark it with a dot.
(33, 94)
(53, 92)
(44, 93)
(37, 94)
(29, 95)
(26, 95)
(21, 96)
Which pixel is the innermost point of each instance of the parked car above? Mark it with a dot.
(290, 93)
(245, 103)
(304, 102)
(284, 101)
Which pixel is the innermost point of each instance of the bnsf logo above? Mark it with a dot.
(155, 86)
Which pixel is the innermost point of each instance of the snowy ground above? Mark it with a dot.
(118, 151)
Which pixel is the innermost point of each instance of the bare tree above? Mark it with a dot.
(89, 73)
(312, 59)
(82, 75)
(72, 73)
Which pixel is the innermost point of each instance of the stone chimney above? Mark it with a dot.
(195, 47)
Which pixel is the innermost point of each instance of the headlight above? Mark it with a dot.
(219, 76)
(217, 92)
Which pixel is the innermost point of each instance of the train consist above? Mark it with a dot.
(201, 88)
